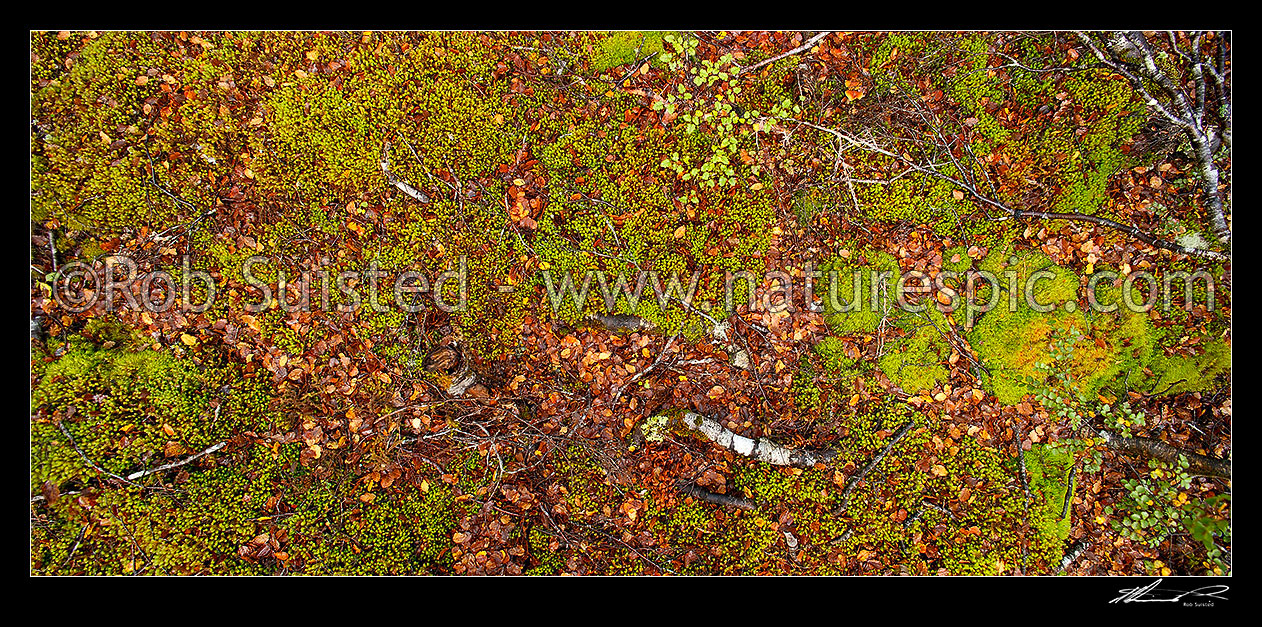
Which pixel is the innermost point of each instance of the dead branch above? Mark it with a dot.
(701, 494)
(1131, 55)
(395, 180)
(806, 46)
(867, 468)
(761, 449)
(1009, 212)
(144, 473)
(1148, 447)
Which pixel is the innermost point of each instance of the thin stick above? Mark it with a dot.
(863, 472)
(145, 473)
(810, 42)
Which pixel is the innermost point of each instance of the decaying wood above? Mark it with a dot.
(1149, 447)
(451, 360)
(701, 494)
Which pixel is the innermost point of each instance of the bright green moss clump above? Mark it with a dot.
(917, 361)
(1012, 338)
(858, 295)
(1048, 471)
(623, 47)
(126, 411)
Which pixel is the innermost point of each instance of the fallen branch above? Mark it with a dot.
(1072, 555)
(713, 497)
(761, 449)
(144, 473)
(867, 468)
(1149, 447)
(1011, 212)
(395, 181)
(1130, 230)
(1069, 494)
(806, 46)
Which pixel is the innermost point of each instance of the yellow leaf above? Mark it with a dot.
(679, 232)
(188, 339)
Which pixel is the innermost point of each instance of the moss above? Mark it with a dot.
(956, 259)
(1012, 339)
(976, 526)
(805, 389)
(864, 292)
(916, 362)
(625, 47)
(124, 408)
(1048, 471)
(1178, 374)
(195, 530)
(543, 550)
(833, 358)
(408, 532)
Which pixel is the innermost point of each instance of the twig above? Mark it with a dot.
(863, 472)
(186, 460)
(1069, 494)
(89, 461)
(395, 181)
(617, 395)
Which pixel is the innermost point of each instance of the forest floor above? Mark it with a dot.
(180, 427)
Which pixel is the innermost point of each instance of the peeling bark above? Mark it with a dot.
(761, 449)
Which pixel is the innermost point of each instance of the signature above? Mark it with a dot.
(1151, 593)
